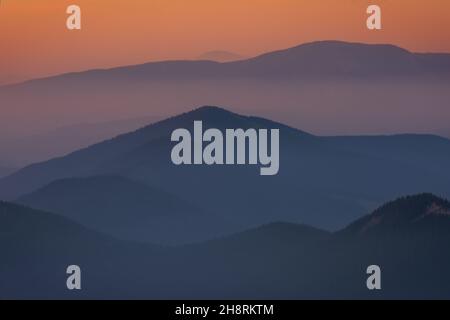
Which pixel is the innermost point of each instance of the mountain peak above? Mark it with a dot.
(221, 118)
(211, 113)
(208, 108)
(338, 58)
(416, 206)
(405, 212)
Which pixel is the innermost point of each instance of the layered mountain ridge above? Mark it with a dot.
(275, 261)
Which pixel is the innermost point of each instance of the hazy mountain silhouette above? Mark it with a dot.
(316, 59)
(220, 56)
(275, 261)
(127, 209)
(366, 89)
(336, 58)
(323, 181)
(42, 146)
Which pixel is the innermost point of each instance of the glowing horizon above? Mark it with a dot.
(115, 33)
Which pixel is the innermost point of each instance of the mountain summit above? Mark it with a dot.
(325, 182)
(418, 211)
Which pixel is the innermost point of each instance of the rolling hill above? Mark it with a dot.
(128, 210)
(327, 87)
(37, 247)
(285, 261)
(325, 182)
(275, 261)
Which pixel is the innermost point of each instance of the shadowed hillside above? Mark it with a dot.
(127, 209)
(325, 182)
(424, 212)
(275, 261)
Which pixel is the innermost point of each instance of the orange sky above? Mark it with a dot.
(34, 41)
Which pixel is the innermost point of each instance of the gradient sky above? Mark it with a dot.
(34, 41)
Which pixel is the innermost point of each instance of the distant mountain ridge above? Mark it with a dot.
(325, 182)
(349, 59)
(316, 59)
(23, 151)
(158, 134)
(299, 86)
